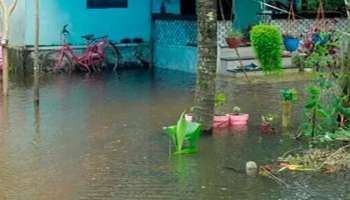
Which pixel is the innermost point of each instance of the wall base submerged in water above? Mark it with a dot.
(181, 58)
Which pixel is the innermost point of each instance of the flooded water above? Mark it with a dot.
(100, 137)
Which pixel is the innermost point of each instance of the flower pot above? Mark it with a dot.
(266, 128)
(233, 43)
(239, 120)
(220, 121)
(317, 39)
(291, 43)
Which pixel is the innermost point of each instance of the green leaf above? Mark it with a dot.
(184, 135)
(311, 105)
(193, 133)
(181, 131)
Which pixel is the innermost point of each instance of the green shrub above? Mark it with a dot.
(234, 34)
(267, 44)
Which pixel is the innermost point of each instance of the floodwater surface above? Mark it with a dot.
(100, 137)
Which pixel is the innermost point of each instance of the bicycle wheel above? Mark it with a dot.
(64, 62)
(112, 56)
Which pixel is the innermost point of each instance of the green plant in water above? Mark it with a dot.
(289, 94)
(184, 135)
(321, 110)
(267, 43)
(236, 110)
(220, 100)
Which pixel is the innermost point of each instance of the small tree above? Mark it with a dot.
(6, 12)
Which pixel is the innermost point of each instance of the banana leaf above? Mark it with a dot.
(184, 135)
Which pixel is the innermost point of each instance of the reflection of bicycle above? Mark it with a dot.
(99, 53)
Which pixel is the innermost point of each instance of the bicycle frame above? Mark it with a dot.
(92, 56)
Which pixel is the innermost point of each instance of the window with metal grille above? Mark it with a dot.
(93, 4)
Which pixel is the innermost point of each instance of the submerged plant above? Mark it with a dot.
(289, 94)
(184, 135)
(220, 101)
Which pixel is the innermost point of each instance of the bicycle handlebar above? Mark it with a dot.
(102, 37)
(65, 30)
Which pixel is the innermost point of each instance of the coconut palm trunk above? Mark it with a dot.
(36, 53)
(207, 63)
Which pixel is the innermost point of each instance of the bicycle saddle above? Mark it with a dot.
(88, 37)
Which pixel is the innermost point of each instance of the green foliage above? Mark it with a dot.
(267, 42)
(234, 34)
(322, 110)
(329, 5)
(184, 135)
(319, 57)
(236, 110)
(220, 100)
(289, 94)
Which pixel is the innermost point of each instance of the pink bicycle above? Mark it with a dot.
(99, 53)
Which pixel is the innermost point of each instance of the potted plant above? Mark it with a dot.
(237, 118)
(267, 124)
(289, 96)
(220, 120)
(291, 42)
(266, 41)
(320, 37)
(234, 39)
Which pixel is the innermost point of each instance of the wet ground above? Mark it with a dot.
(100, 137)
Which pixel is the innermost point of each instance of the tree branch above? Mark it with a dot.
(12, 7)
(2, 6)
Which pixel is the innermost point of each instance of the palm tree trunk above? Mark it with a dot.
(36, 54)
(207, 60)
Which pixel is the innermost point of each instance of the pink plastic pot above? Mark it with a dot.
(239, 120)
(220, 121)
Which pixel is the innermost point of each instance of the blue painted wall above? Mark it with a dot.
(118, 23)
(172, 7)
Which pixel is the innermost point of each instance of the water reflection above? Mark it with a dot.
(99, 137)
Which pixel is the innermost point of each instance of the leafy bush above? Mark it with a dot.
(321, 50)
(267, 41)
(329, 5)
(322, 110)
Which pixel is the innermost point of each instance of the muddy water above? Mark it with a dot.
(99, 137)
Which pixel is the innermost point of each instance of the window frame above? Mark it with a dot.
(108, 4)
